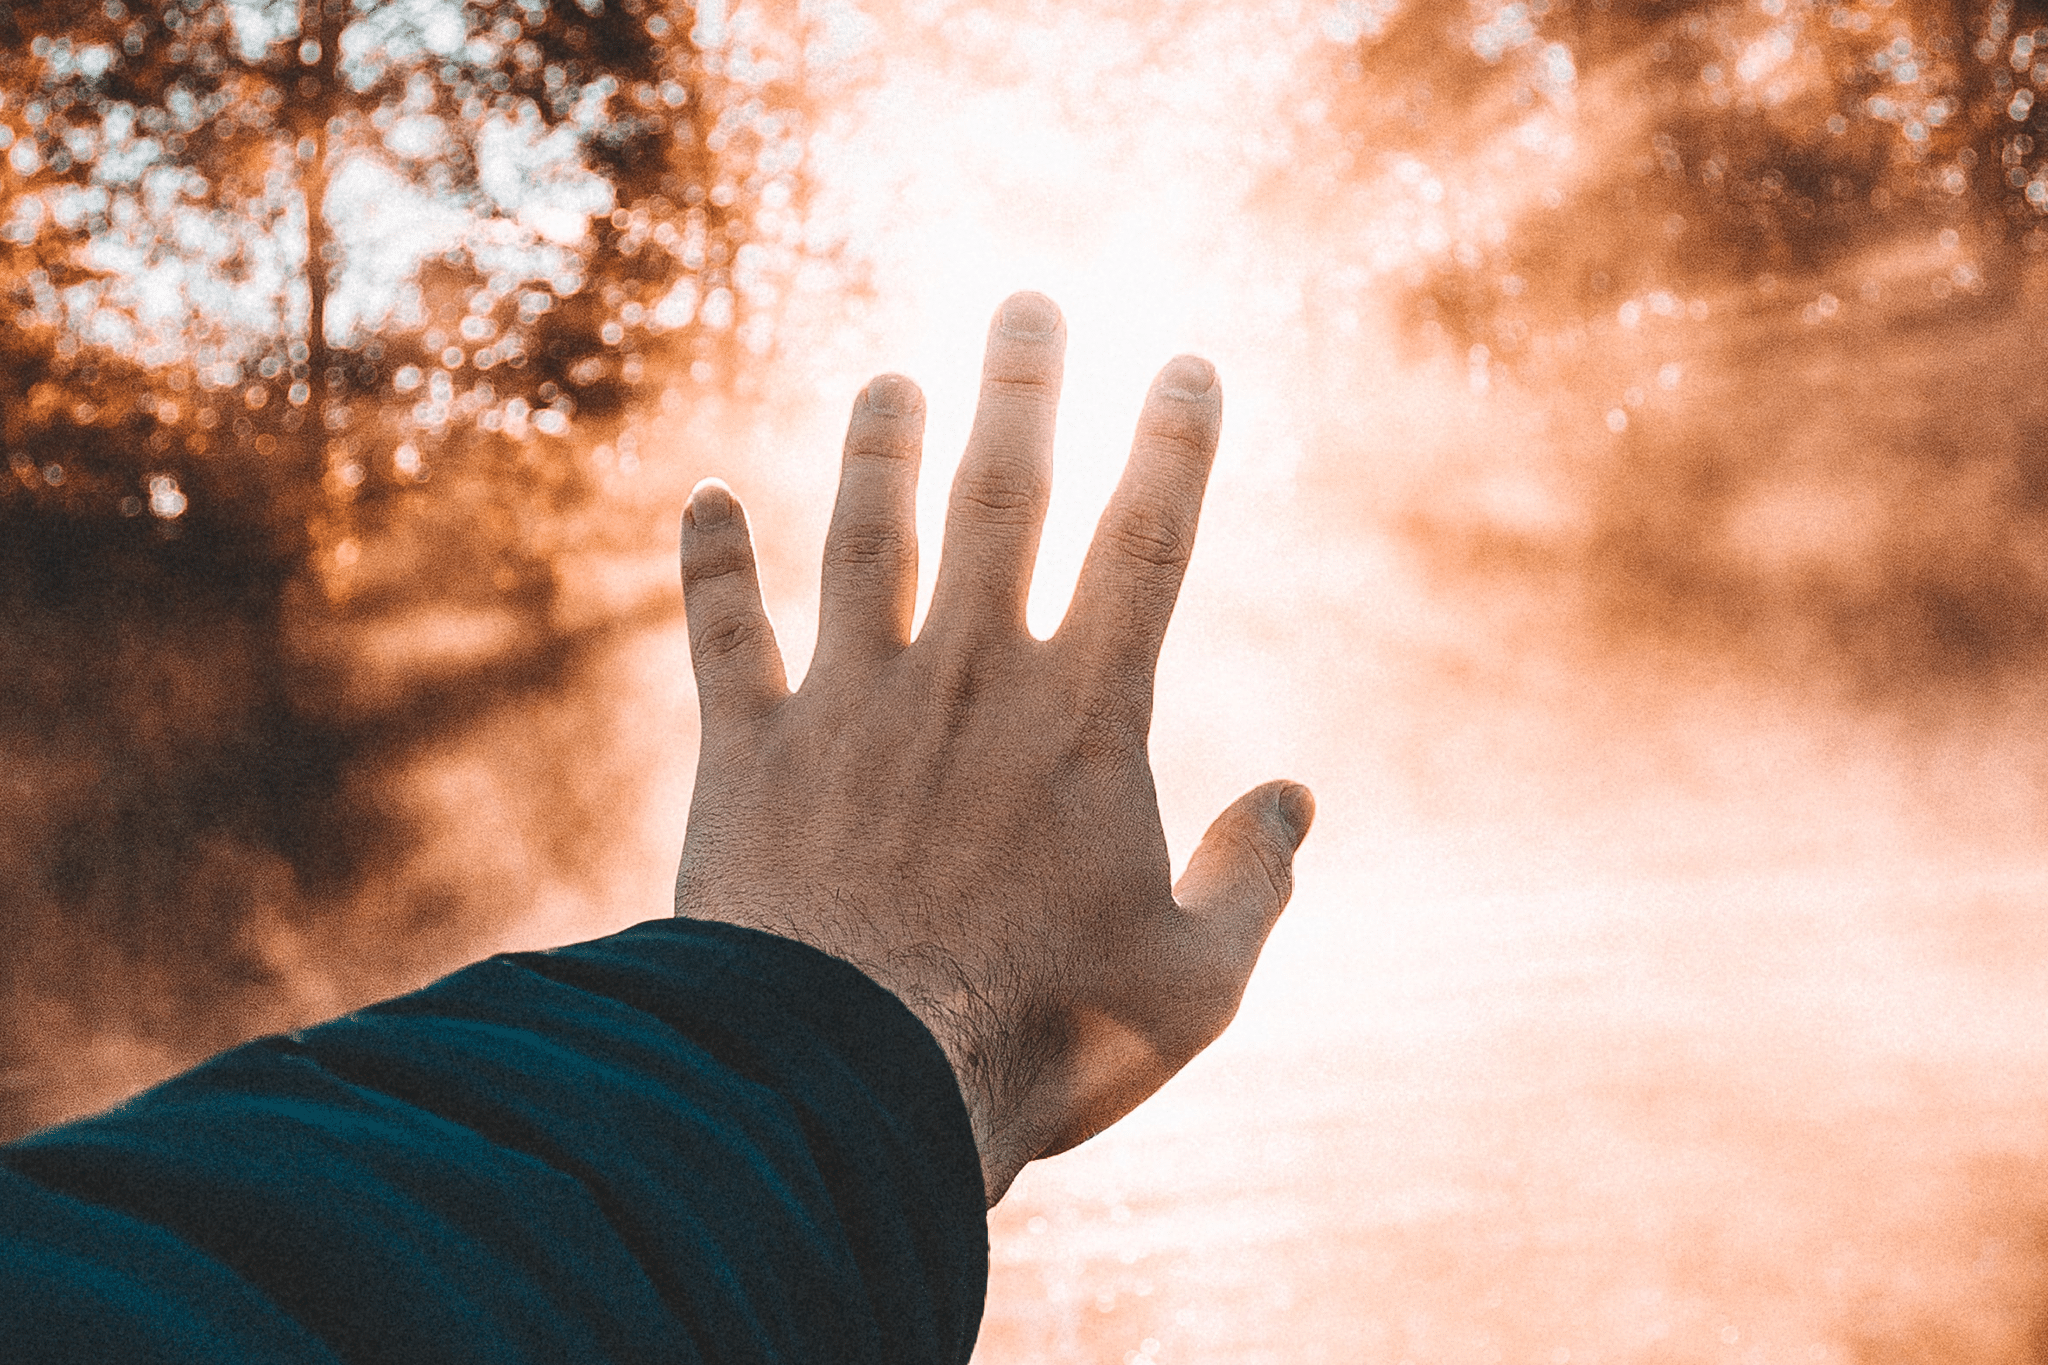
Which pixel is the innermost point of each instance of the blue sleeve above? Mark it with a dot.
(684, 1142)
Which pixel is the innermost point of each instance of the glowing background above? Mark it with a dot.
(1640, 1001)
(1663, 978)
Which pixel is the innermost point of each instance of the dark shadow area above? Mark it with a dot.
(331, 331)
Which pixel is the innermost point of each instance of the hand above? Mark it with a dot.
(969, 818)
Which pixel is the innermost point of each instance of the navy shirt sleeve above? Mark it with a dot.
(685, 1142)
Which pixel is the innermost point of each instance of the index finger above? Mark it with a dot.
(1132, 575)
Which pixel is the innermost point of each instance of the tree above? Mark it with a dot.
(1772, 299)
(1789, 136)
(319, 311)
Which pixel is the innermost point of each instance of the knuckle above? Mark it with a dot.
(886, 445)
(707, 563)
(956, 687)
(1277, 867)
(1180, 437)
(1033, 387)
(969, 680)
(1152, 538)
(725, 637)
(1000, 494)
(867, 543)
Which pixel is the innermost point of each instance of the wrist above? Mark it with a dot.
(1001, 1062)
(984, 1045)
(999, 1057)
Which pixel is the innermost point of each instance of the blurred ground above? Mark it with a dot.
(1795, 1117)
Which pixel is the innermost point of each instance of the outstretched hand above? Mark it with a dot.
(969, 817)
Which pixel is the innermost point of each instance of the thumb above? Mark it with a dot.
(1242, 873)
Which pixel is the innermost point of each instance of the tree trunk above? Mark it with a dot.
(311, 98)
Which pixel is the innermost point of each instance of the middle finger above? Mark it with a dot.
(999, 495)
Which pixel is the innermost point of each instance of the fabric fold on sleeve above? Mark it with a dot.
(687, 1141)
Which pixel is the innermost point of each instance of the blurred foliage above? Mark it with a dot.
(321, 314)
(1772, 267)
(1780, 138)
(528, 215)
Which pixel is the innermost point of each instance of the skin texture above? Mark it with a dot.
(970, 817)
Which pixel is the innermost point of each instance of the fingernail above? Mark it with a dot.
(1187, 376)
(1297, 808)
(1030, 315)
(891, 395)
(711, 504)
